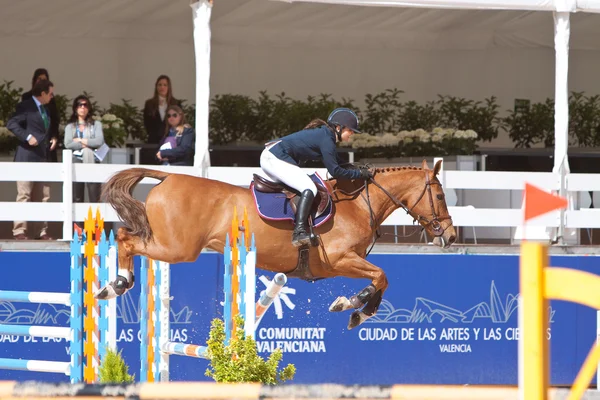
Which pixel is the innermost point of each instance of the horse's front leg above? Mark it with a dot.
(353, 266)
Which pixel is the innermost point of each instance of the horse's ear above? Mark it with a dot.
(437, 167)
(424, 164)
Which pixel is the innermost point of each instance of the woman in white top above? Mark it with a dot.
(83, 135)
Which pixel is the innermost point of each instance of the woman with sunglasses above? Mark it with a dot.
(179, 141)
(83, 135)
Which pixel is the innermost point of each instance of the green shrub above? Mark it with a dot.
(113, 369)
(239, 361)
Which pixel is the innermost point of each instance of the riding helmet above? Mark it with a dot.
(345, 118)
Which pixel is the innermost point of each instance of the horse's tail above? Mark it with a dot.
(118, 192)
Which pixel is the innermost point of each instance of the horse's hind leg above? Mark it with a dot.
(369, 298)
(126, 245)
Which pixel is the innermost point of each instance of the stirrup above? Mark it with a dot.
(300, 238)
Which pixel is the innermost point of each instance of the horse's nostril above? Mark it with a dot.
(451, 239)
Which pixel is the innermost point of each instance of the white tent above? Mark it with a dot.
(117, 48)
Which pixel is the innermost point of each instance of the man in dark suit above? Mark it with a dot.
(31, 125)
(38, 75)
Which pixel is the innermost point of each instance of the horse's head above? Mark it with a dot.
(427, 204)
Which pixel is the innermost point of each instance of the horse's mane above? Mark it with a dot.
(382, 170)
(391, 169)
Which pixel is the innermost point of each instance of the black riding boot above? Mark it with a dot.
(301, 235)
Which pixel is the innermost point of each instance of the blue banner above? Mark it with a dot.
(445, 319)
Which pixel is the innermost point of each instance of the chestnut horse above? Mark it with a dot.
(184, 214)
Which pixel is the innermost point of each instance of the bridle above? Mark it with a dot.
(435, 222)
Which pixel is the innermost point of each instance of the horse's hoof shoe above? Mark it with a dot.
(114, 289)
(340, 304)
(357, 318)
(106, 293)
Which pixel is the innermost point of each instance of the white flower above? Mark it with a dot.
(4, 131)
(437, 137)
(389, 139)
(443, 132)
(1, 123)
(423, 135)
(405, 134)
(408, 140)
(96, 118)
(460, 135)
(109, 117)
(448, 132)
(116, 125)
(105, 126)
(471, 134)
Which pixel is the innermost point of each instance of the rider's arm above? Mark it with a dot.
(330, 159)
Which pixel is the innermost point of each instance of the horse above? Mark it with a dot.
(184, 214)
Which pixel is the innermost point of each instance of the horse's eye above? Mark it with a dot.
(440, 196)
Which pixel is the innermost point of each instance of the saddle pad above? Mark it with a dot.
(276, 207)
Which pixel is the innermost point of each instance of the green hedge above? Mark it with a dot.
(238, 118)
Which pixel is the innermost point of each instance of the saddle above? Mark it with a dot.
(320, 202)
(321, 211)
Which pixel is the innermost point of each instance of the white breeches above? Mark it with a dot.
(281, 171)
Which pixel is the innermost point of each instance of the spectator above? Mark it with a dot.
(31, 125)
(39, 74)
(83, 135)
(178, 144)
(156, 107)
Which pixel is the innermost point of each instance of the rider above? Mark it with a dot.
(281, 157)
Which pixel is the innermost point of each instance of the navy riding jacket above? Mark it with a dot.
(313, 144)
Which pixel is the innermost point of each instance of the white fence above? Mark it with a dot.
(462, 215)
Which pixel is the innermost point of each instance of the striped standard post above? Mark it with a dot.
(76, 317)
(101, 325)
(144, 319)
(164, 302)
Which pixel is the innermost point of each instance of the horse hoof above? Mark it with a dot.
(114, 289)
(357, 318)
(106, 293)
(340, 304)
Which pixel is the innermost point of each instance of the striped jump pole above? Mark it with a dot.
(91, 321)
(267, 297)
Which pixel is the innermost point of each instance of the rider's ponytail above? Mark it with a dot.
(315, 123)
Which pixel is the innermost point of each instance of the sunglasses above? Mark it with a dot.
(172, 115)
(79, 105)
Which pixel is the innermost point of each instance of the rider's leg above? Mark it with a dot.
(293, 176)
(301, 235)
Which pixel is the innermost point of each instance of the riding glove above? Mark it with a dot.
(366, 174)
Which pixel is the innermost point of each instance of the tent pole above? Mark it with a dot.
(561, 109)
(201, 11)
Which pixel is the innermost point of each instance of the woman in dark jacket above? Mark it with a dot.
(281, 158)
(155, 108)
(179, 141)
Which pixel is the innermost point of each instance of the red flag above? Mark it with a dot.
(538, 202)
